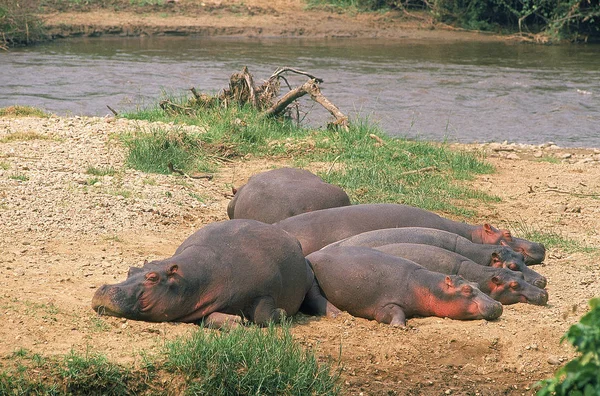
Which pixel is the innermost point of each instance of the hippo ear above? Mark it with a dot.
(487, 227)
(234, 190)
(503, 243)
(496, 261)
(172, 270)
(448, 281)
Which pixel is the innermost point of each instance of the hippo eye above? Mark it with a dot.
(513, 285)
(513, 266)
(152, 277)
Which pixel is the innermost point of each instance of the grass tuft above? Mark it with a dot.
(23, 137)
(101, 171)
(22, 111)
(552, 239)
(246, 361)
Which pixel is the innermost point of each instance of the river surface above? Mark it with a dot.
(463, 92)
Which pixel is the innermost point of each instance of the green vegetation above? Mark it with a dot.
(244, 361)
(4, 166)
(18, 23)
(101, 171)
(249, 361)
(551, 239)
(565, 19)
(369, 165)
(580, 376)
(19, 176)
(21, 111)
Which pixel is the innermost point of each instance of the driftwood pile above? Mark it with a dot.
(242, 90)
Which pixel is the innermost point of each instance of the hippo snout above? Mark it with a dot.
(540, 282)
(540, 299)
(492, 311)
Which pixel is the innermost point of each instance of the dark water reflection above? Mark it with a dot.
(435, 90)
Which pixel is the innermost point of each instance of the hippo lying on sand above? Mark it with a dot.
(488, 255)
(221, 273)
(374, 285)
(281, 193)
(317, 229)
(501, 284)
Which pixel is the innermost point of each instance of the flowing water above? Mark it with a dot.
(465, 91)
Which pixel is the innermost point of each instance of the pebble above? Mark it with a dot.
(553, 360)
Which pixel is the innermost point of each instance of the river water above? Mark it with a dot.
(463, 92)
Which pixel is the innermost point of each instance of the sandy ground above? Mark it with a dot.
(65, 233)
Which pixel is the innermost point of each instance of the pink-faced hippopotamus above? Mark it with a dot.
(373, 285)
(501, 284)
(488, 255)
(281, 193)
(221, 273)
(317, 229)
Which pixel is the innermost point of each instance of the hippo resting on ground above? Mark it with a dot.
(374, 285)
(221, 273)
(488, 255)
(317, 229)
(501, 284)
(281, 193)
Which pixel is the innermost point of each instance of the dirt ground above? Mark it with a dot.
(65, 232)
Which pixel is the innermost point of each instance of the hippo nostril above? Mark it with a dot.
(540, 282)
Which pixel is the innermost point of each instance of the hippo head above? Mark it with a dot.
(533, 252)
(463, 300)
(510, 287)
(154, 293)
(505, 257)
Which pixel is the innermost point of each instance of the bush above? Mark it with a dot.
(18, 23)
(581, 376)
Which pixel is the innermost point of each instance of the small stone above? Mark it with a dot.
(538, 154)
(566, 155)
(448, 391)
(553, 360)
(513, 156)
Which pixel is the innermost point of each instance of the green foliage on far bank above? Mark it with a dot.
(19, 24)
(243, 361)
(369, 165)
(580, 376)
(564, 19)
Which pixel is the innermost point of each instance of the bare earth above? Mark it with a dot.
(62, 236)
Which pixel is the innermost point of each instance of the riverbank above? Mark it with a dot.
(65, 232)
(256, 18)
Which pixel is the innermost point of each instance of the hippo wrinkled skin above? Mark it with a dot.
(281, 193)
(373, 285)
(224, 272)
(504, 285)
(317, 229)
(497, 256)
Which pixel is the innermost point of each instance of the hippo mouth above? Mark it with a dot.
(104, 310)
(540, 299)
(489, 311)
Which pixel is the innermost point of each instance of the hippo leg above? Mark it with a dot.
(391, 314)
(220, 320)
(265, 311)
(315, 304)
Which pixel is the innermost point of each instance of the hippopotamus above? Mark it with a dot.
(501, 284)
(317, 229)
(488, 255)
(373, 285)
(222, 273)
(281, 193)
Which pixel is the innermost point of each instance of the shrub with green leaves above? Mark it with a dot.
(581, 376)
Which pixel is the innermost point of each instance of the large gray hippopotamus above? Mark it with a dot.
(281, 193)
(501, 284)
(488, 255)
(317, 229)
(224, 272)
(373, 285)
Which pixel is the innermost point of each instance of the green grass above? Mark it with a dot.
(22, 111)
(19, 176)
(4, 165)
(246, 361)
(101, 171)
(243, 361)
(551, 239)
(369, 165)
